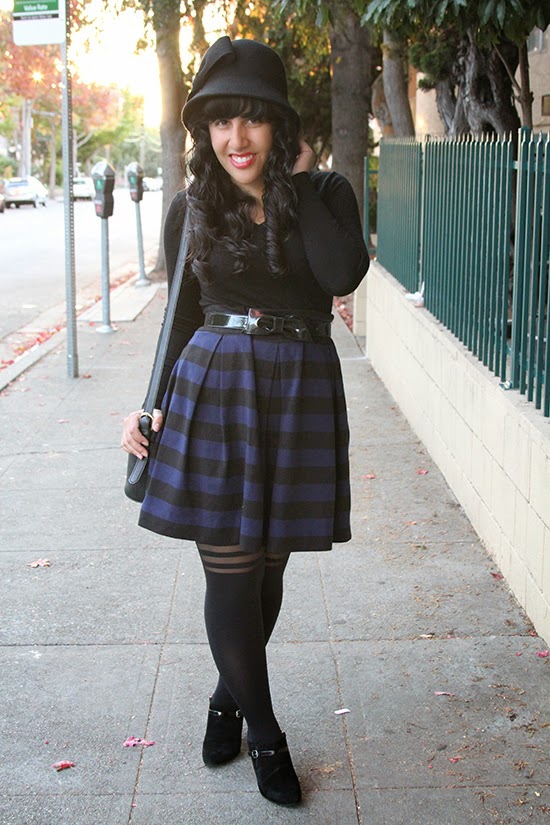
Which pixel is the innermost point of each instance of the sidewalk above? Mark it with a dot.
(408, 626)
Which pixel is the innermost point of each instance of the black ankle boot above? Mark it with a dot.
(223, 737)
(275, 772)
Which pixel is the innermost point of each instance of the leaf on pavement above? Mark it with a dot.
(63, 765)
(136, 741)
(40, 563)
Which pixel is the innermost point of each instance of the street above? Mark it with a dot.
(32, 250)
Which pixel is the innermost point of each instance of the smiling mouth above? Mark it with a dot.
(242, 161)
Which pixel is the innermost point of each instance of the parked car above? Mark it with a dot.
(152, 184)
(83, 188)
(25, 190)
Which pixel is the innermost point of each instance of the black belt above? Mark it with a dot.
(260, 323)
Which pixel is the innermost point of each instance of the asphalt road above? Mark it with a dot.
(32, 253)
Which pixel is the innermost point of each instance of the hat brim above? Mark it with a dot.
(218, 88)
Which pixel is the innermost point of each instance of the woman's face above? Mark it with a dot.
(242, 146)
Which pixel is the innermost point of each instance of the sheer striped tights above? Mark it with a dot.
(243, 599)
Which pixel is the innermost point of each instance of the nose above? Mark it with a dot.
(239, 134)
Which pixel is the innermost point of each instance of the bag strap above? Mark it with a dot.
(164, 337)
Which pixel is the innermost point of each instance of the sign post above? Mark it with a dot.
(39, 23)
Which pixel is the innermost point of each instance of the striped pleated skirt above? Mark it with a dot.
(254, 446)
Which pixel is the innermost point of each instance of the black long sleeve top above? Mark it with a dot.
(325, 254)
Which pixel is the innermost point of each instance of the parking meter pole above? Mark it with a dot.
(143, 280)
(103, 176)
(68, 206)
(105, 281)
(134, 174)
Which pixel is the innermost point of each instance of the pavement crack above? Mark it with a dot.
(341, 699)
(154, 690)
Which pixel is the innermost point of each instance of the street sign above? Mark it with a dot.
(38, 22)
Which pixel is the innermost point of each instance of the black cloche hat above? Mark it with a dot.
(241, 68)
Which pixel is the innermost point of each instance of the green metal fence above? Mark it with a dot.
(398, 209)
(480, 244)
(530, 369)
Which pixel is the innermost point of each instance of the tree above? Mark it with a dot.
(469, 51)
(352, 72)
(30, 78)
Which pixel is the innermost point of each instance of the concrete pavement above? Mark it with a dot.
(408, 626)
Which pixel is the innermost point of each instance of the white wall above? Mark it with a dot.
(491, 445)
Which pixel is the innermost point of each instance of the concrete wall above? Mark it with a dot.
(491, 445)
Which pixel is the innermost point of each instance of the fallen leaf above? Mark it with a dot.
(136, 741)
(443, 693)
(62, 420)
(422, 472)
(342, 711)
(427, 635)
(543, 654)
(455, 759)
(86, 375)
(520, 653)
(63, 765)
(369, 475)
(40, 563)
(411, 522)
(497, 575)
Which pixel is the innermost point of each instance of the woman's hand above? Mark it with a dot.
(306, 160)
(132, 439)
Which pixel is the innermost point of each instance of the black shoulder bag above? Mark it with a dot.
(136, 472)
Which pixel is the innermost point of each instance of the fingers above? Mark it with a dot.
(157, 421)
(306, 160)
(133, 440)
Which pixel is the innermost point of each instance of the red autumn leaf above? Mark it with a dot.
(422, 472)
(543, 654)
(40, 563)
(497, 575)
(369, 475)
(86, 375)
(63, 765)
(411, 522)
(455, 759)
(136, 741)
(520, 653)
(7, 361)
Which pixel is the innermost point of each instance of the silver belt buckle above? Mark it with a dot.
(258, 323)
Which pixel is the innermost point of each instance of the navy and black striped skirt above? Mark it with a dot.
(254, 446)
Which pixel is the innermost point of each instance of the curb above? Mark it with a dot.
(126, 305)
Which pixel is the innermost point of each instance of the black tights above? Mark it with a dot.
(243, 600)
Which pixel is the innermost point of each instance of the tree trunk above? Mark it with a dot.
(396, 85)
(486, 87)
(380, 109)
(352, 70)
(525, 94)
(173, 94)
(451, 109)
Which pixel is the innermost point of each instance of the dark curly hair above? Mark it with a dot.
(220, 210)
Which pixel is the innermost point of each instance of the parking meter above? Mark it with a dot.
(134, 173)
(103, 176)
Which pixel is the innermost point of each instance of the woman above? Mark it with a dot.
(249, 458)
